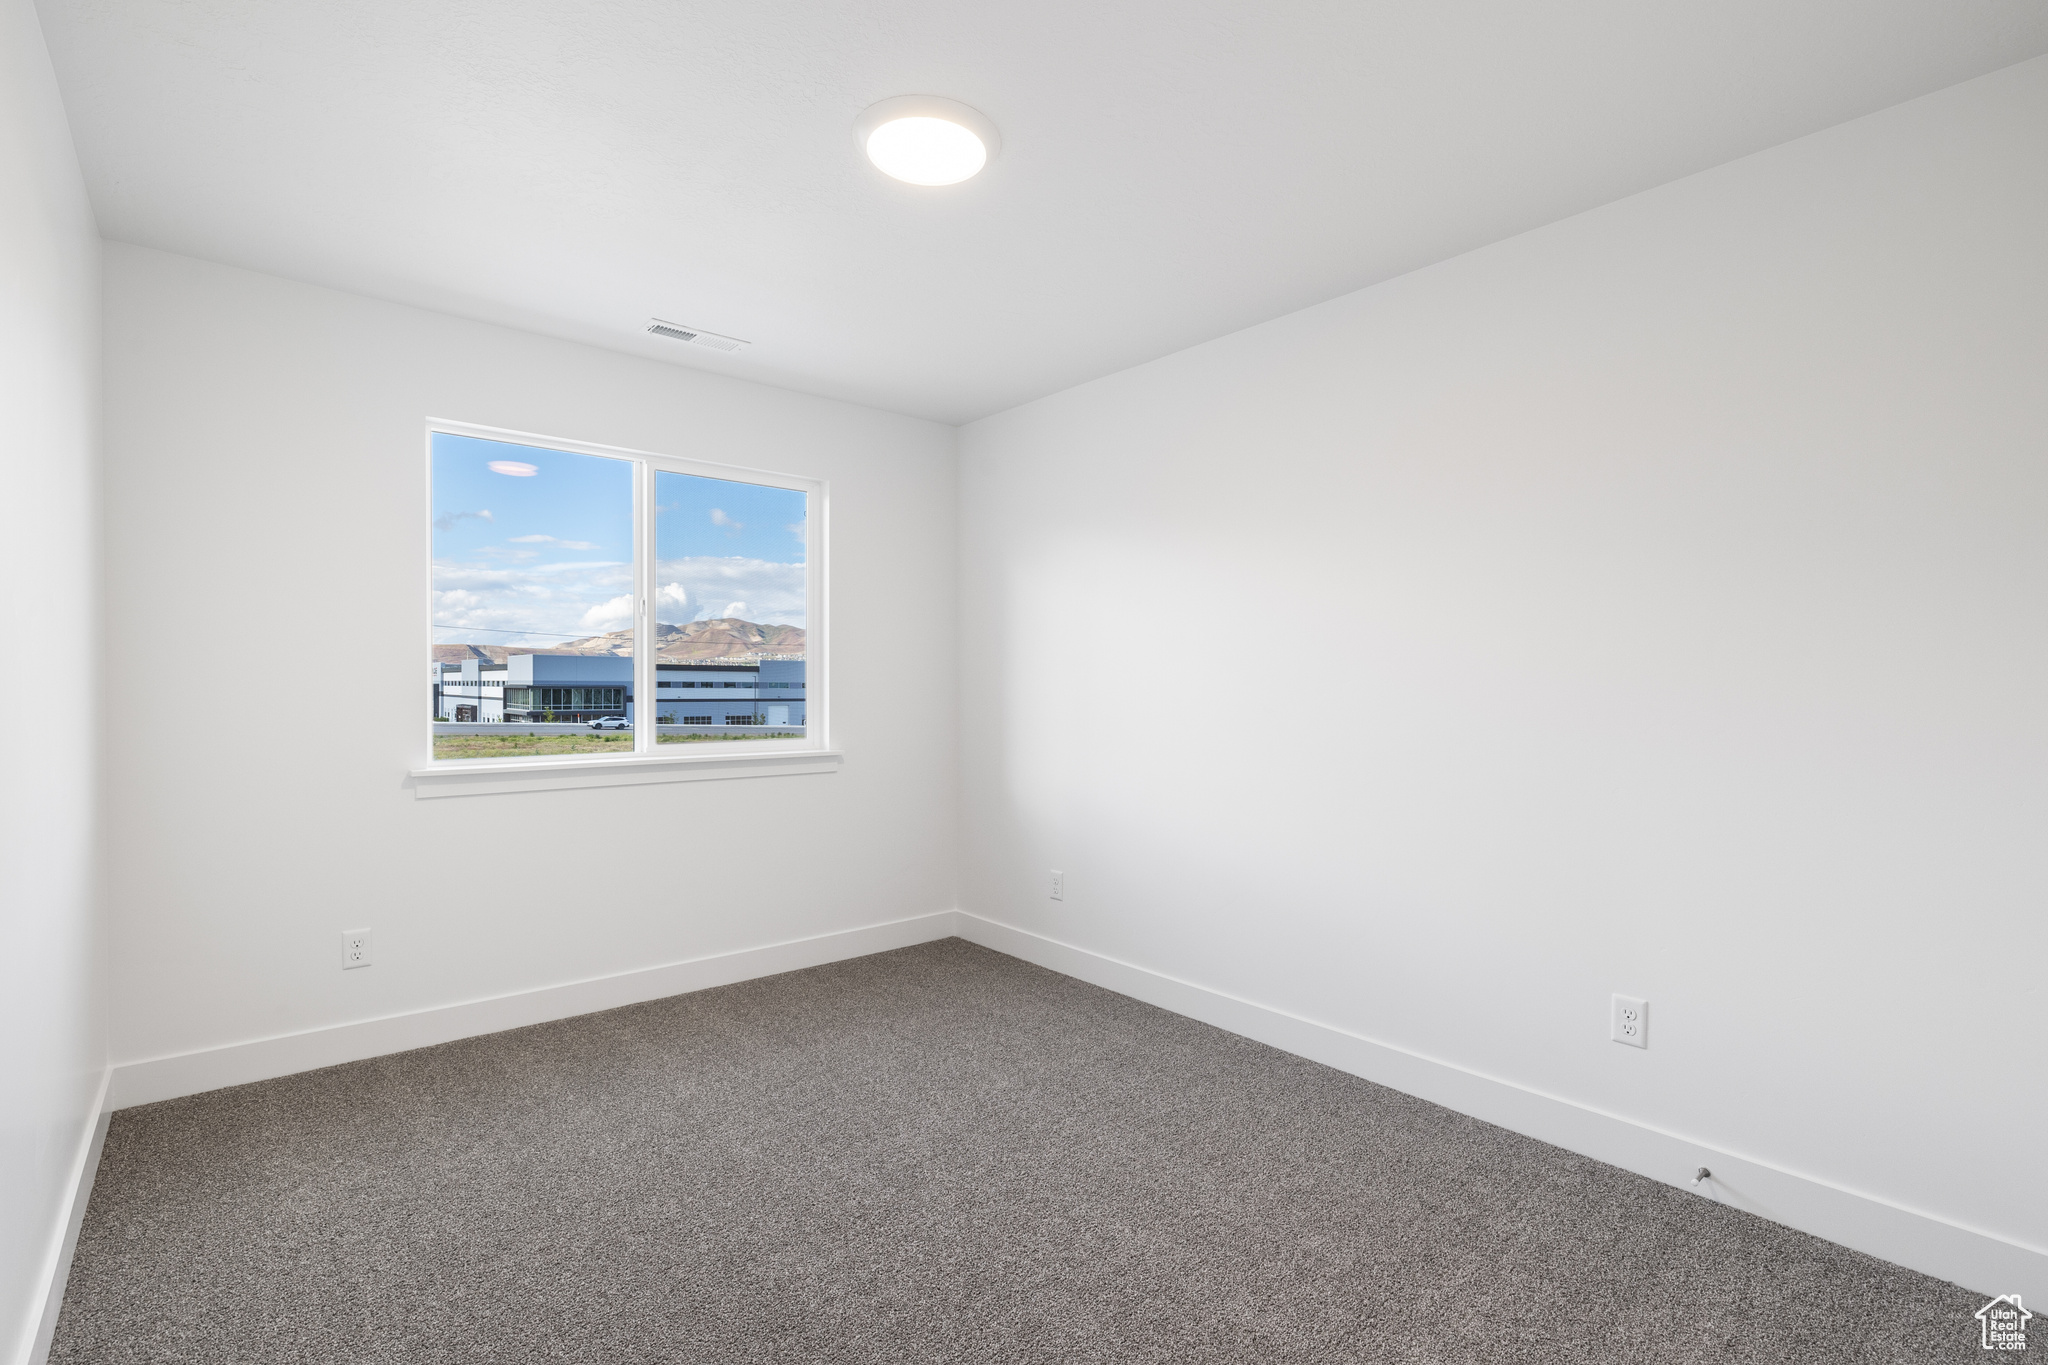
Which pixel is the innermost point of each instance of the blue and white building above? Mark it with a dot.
(573, 688)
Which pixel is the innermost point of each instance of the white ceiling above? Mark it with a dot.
(1172, 170)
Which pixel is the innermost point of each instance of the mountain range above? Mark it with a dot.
(726, 638)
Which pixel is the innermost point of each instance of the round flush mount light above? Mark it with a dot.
(518, 469)
(926, 140)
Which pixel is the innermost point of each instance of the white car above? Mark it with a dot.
(611, 723)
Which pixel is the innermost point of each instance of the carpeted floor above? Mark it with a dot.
(933, 1155)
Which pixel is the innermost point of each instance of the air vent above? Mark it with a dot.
(696, 336)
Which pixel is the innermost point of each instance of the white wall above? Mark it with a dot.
(264, 492)
(1660, 596)
(53, 1055)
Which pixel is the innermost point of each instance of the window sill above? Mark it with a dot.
(485, 777)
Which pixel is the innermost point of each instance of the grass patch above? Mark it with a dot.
(702, 739)
(525, 746)
(532, 746)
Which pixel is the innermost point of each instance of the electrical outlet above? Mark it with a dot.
(355, 948)
(1631, 1021)
(1056, 885)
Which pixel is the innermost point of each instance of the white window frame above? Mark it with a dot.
(650, 761)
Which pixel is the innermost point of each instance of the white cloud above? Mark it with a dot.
(528, 604)
(550, 540)
(612, 615)
(446, 521)
(756, 589)
(719, 518)
(539, 603)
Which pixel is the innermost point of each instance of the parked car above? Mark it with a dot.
(611, 723)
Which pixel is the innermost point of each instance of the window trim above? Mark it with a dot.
(648, 761)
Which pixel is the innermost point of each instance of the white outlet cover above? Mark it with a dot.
(355, 948)
(1056, 885)
(1629, 1021)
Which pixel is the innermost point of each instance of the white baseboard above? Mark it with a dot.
(38, 1332)
(1970, 1257)
(189, 1073)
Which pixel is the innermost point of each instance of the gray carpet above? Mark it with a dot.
(939, 1154)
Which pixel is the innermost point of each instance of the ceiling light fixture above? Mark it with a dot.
(926, 140)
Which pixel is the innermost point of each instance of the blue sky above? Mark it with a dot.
(540, 549)
(727, 549)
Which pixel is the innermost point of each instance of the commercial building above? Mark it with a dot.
(541, 688)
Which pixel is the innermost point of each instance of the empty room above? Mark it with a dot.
(741, 681)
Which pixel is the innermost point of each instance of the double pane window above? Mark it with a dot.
(570, 583)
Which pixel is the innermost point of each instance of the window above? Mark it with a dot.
(572, 571)
(581, 698)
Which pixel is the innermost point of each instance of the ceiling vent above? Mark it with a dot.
(675, 331)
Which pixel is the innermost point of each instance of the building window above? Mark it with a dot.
(573, 571)
(582, 698)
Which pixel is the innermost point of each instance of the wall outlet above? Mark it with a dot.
(1056, 885)
(1631, 1021)
(355, 948)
